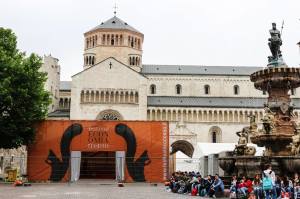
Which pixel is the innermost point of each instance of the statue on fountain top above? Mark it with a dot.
(274, 44)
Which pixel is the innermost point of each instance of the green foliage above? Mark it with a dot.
(23, 100)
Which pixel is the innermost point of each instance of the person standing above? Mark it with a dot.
(296, 184)
(269, 182)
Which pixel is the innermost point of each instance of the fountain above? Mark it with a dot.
(280, 135)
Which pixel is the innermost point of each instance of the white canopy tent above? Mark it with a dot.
(202, 150)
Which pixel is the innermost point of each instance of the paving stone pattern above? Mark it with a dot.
(87, 191)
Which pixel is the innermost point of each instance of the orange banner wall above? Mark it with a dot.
(147, 143)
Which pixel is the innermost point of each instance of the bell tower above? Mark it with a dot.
(113, 38)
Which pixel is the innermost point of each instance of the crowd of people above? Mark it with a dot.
(194, 184)
(266, 185)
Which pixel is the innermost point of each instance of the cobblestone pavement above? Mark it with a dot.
(87, 191)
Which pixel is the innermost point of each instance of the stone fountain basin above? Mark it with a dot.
(271, 139)
(252, 165)
(277, 76)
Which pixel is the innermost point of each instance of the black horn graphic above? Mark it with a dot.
(60, 167)
(135, 168)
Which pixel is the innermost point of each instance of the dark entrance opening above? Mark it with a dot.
(98, 165)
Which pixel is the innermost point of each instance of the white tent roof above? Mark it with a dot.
(205, 149)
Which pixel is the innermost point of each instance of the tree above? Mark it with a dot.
(23, 100)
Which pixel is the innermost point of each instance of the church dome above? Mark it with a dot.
(115, 23)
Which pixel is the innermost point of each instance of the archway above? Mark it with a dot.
(183, 146)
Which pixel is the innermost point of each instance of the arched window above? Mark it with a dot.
(132, 42)
(206, 89)
(86, 60)
(136, 61)
(107, 39)
(112, 42)
(139, 44)
(121, 40)
(109, 115)
(87, 43)
(215, 134)
(103, 39)
(93, 60)
(178, 89)
(117, 40)
(214, 137)
(236, 89)
(90, 60)
(153, 89)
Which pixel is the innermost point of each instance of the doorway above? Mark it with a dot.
(98, 165)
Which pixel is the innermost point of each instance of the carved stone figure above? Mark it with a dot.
(253, 124)
(275, 42)
(269, 121)
(241, 148)
(295, 145)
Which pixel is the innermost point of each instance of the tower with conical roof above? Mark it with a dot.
(113, 38)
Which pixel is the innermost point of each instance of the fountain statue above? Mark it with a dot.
(274, 44)
(280, 135)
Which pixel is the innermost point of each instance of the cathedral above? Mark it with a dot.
(206, 104)
(203, 104)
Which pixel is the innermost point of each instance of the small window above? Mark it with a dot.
(178, 89)
(132, 44)
(153, 89)
(86, 60)
(264, 92)
(93, 60)
(214, 137)
(206, 89)
(236, 89)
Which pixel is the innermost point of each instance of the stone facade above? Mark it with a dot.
(105, 41)
(111, 86)
(52, 68)
(212, 102)
(13, 159)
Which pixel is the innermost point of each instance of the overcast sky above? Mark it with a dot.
(193, 32)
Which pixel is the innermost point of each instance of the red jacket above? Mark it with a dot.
(248, 184)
